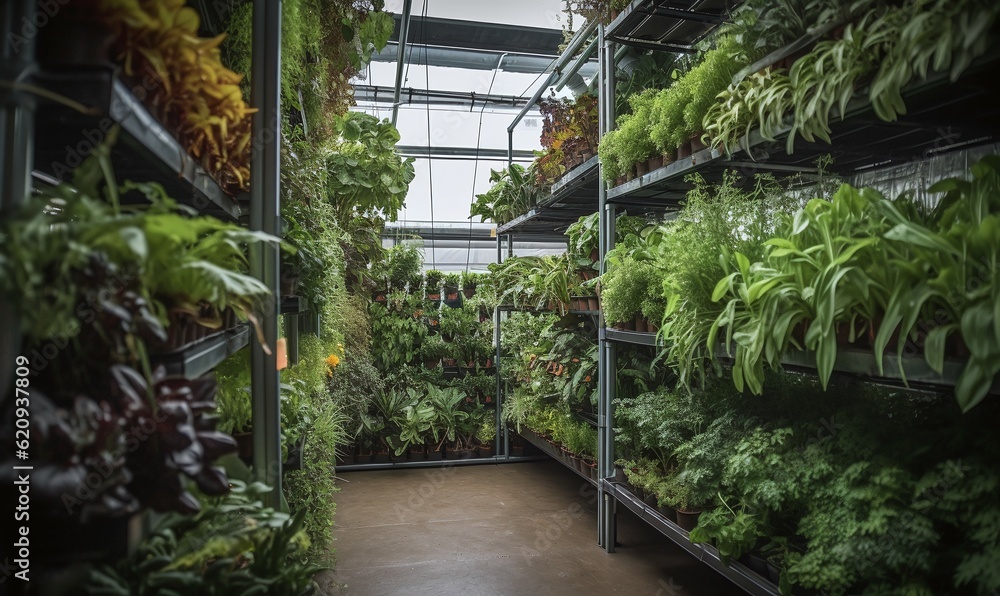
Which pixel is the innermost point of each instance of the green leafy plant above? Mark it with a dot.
(512, 193)
(234, 545)
(368, 179)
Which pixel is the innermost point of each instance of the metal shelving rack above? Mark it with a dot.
(965, 105)
(942, 116)
(145, 149)
(203, 356)
(35, 145)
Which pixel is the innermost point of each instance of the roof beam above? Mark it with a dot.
(454, 33)
(477, 59)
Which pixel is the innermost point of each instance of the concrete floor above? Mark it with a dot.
(513, 529)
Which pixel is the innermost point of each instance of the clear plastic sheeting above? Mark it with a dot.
(914, 178)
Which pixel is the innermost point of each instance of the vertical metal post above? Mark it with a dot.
(292, 337)
(498, 450)
(404, 33)
(17, 140)
(265, 185)
(606, 350)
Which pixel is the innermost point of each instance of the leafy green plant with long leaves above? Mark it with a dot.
(949, 265)
(512, 192)
(937, 35)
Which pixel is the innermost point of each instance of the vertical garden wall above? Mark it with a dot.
(128, 275)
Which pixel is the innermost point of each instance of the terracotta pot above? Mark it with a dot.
(655, 163)
(684, 151)
(668, 158)
(619, 180)
(469, 292)
(433, 296)
(641, 169)
(431, 364)
(593, 304)
(486, 451)
(640, 323)
(652, 327)
(452, 297)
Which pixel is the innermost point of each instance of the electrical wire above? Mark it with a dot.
(430, 162)
(475, 167)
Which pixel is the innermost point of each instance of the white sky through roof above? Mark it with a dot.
(455, 182)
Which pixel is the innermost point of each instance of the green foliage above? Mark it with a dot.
(367, 179)
(630, 143)
(732, 532)
(233, 545)
(232, 401)
(400, 266)
(715, 219)
(512, 192)
(626, 287)
(175, 259)
(324, 44)
(890, 45)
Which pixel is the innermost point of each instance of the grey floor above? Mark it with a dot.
(513, 529)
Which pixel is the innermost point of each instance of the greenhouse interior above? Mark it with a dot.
(373, 297)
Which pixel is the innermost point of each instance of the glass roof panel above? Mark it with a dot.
(445, 185)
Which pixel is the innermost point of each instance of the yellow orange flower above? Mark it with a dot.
(333, 360)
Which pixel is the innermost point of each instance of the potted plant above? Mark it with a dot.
(432, 350)
(486, 434)
(469, 282)
(433, 279)
(401, 265)
(452, 284)
(624, 288)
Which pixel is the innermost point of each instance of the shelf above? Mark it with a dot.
(291, 305)
(206, 354)
(734, 571)
(145, 151)
(668, 25)
(861, 363)
(572, 196)
(631, 337)
(860, 141)
(549, 450)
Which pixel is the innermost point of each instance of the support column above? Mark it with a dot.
(607, 530)
(265, 185)
(292, 337)
(498, 448)
(17, 150)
